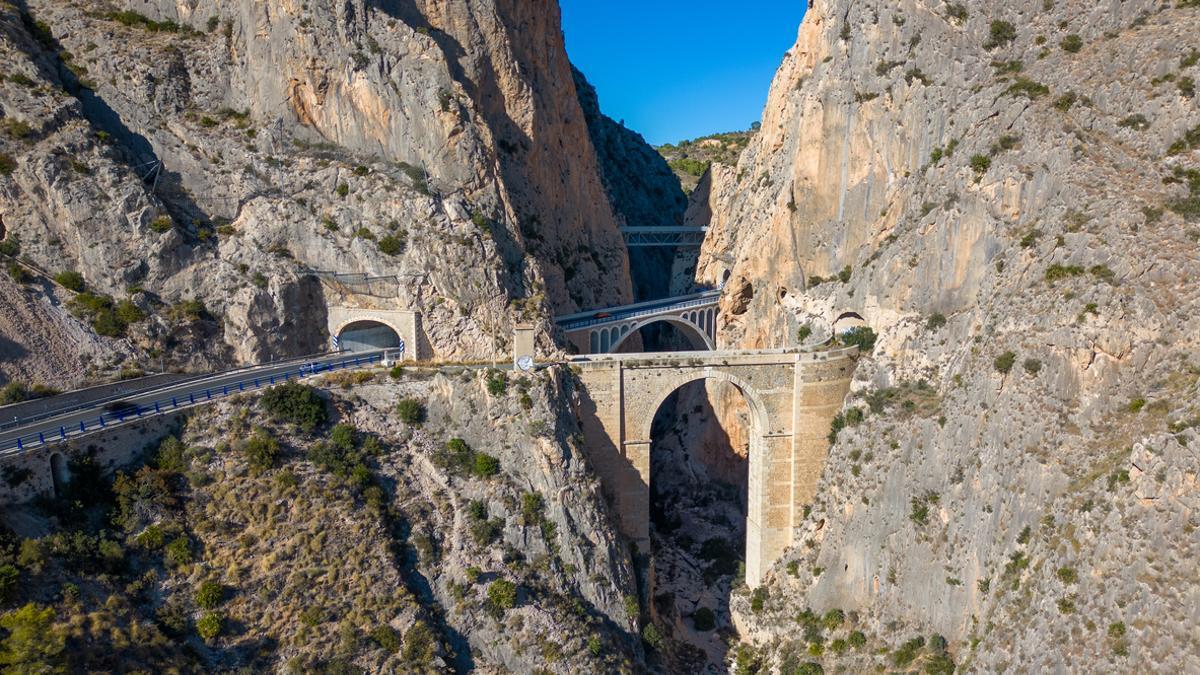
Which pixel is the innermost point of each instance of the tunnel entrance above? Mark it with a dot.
(699, 470)
(361, 336)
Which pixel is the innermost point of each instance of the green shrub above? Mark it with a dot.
(980, 163)
(803, 332)
(188, 310)
(857, 639)
(260, 452)
(18, 273)
(1137, 122)
(758, 599)
(595, 647)
(844, 275)
(935, 321)
(7, 164)
(396, 372)
(1186, 86)
(455, 457)
(485, 466)
(1136, 405)
(1000, 33)
(419, 645)
(1032, 366)
(342, 189)
(210, 595)
(178, 552)
(1056, 272)
(296, 403)
(691, 167)
(390, 245)
(1066, 101)
(1072, 43)
(162, 224)
(1028, 88)
(940, 664)
(497, 382)
(70, 280)
(907, 652)
(861, 336)
(209, 626)
(1116, 631)
(833, 619)
(387, 638)
(10, 246)
(1189, 141)
(1066, 606)
(1004, 362)
(704, 619)
(33, 643)
(651, 636)
(1067, 575)
(411, 411)
(9, 576)
(13, 392)
(633, 609)
(957, 11)
(502, 594)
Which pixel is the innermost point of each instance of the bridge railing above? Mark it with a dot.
(171, 404)
(74, 407)
(635, 314)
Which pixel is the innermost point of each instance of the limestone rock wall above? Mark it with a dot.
(1003, 190)
(226, 150)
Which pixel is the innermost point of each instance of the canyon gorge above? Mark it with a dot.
(998, 203)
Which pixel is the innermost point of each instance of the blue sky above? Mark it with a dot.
(677, 70)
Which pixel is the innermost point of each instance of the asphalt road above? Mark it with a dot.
(183, 393)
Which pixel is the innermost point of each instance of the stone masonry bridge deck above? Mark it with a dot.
(792, 396)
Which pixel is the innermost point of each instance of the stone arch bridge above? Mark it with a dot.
(792, 396)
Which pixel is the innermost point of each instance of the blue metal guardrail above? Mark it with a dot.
(625, 316)
(168, 405)
(55, 412)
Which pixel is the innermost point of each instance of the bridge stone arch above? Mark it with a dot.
(792, 397)
(689, 324)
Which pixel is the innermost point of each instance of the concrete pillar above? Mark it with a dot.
(769, 504)
(523, 343)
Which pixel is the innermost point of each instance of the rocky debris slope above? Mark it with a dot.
(220, 153)
(41, 342)
(459, 530)
(1007, 194)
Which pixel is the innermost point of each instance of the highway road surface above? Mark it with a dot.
(107, 412)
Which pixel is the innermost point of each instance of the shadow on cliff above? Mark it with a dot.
(642, 188)
(698, 491)
(129, 148)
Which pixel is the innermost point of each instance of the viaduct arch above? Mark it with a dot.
(792, 395)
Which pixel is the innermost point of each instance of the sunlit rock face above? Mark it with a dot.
(977, 180)
(227, 150)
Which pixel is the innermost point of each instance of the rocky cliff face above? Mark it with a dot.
(225, 151)
(1007, 194)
